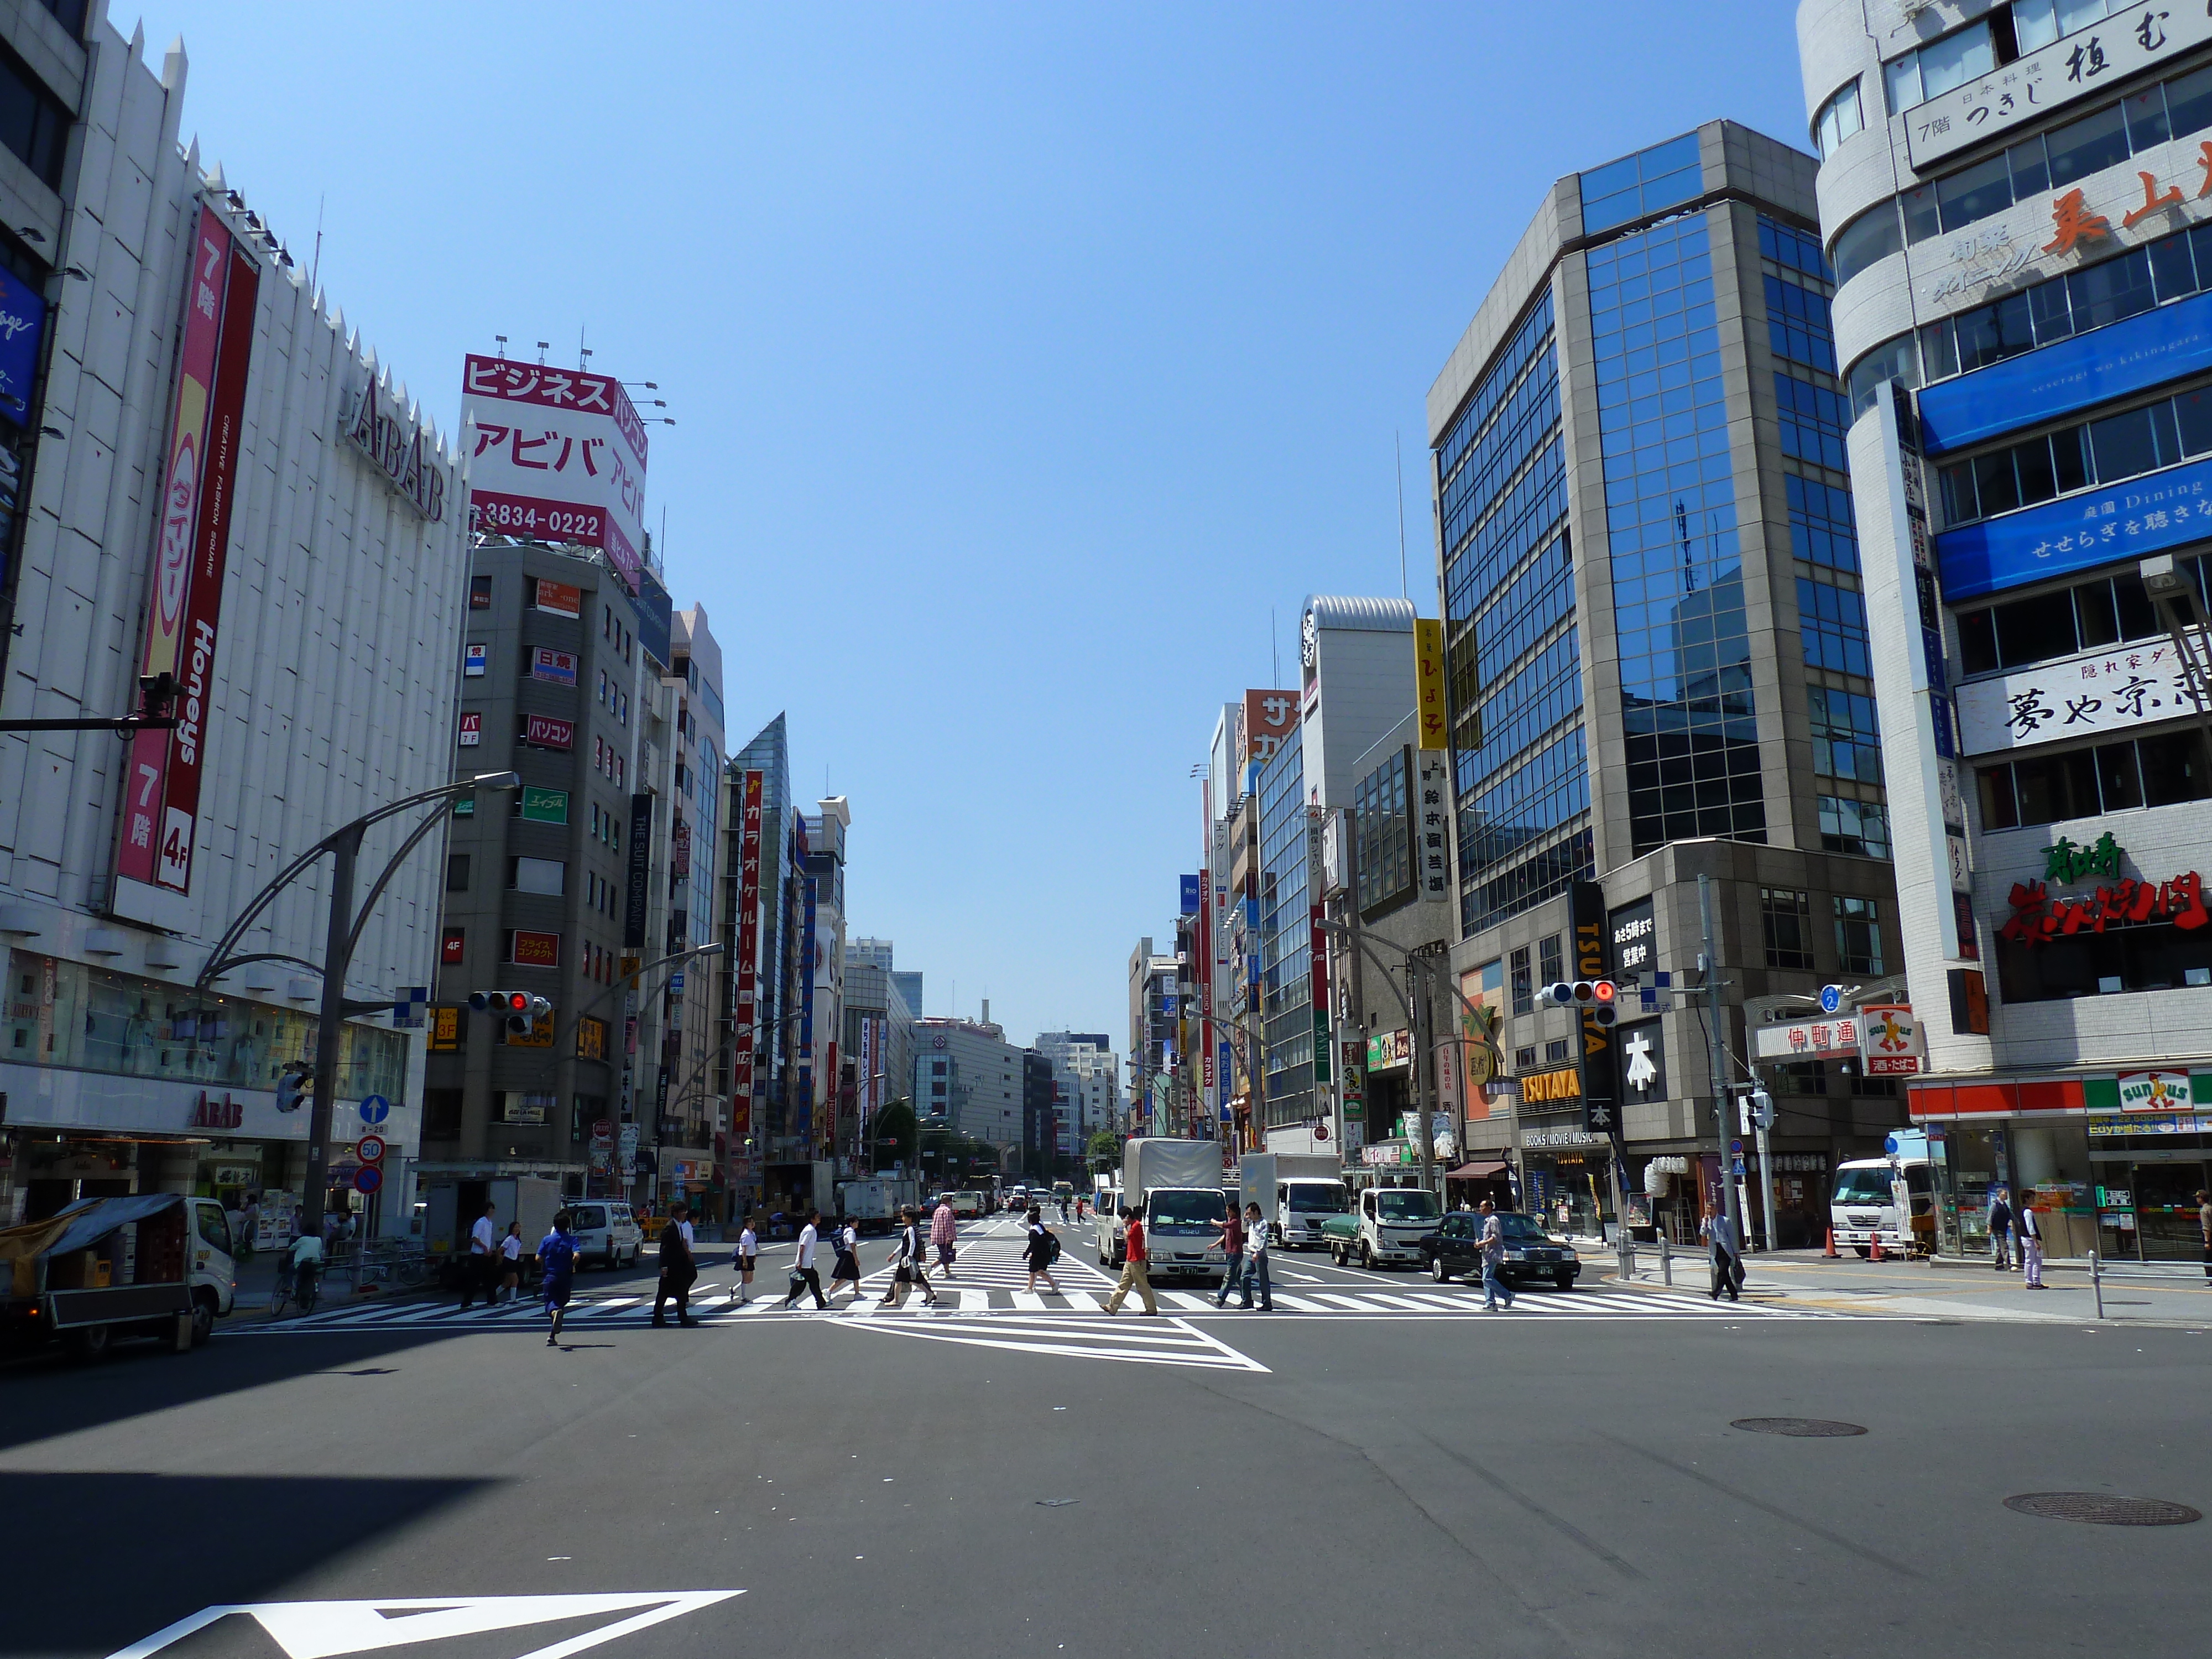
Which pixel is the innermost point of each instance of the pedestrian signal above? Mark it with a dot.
(293, 1082)
(519, 1009)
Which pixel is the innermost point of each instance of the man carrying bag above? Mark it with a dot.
(677, 1270)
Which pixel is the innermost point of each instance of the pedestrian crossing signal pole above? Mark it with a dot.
(1716, 1051)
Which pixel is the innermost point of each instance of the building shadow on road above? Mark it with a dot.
(43, 1393)
(98, 1561)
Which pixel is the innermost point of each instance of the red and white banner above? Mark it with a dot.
(748, 962)
(558, 457)
(161, 792)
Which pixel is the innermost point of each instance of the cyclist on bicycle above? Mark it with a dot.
(305, 1260)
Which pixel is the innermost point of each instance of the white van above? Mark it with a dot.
(606, 1232)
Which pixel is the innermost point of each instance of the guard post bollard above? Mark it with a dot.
(2097, 1282)
(1665, 1259)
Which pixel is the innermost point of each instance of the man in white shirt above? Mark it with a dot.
(483, 1247)
(804, 1277)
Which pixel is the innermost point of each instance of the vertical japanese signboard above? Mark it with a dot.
(809, 914)
(184, 610)
(558, 457)
(1429, 682)
(1600, 1114)
(1270, 717)
(638, 883)
(1317, 947)
(748, 962)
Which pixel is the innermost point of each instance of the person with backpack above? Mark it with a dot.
(556, 1271)
(1041, 1251)
(677, 1270)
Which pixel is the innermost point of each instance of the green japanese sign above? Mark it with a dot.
(2066, 861)
(545, 806)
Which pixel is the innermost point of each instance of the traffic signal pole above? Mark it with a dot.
(1716, 1039)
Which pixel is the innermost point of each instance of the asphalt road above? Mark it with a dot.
(1019, 1482)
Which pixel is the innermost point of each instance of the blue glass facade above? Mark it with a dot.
(1285, 936)
(1693, 743)
(1522, 794)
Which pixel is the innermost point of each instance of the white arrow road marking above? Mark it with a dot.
(323, 1630)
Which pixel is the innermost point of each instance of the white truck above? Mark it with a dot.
(1175, 1185)
(1387, 1228)
(1296, 1192)
(872, 1205)
(150, 1264)
(1862, 1205)
(451, 1204)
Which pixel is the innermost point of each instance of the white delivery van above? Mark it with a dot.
(1862, 1203)
(150, 1264)
(606, 1232)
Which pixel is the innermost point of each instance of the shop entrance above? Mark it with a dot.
(2166, 1210)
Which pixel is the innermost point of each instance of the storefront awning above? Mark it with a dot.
(1476, 1170)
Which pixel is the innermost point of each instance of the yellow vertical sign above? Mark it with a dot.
(1429, 682)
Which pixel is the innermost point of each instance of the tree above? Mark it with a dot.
(896, 1122)
(1106, 1145)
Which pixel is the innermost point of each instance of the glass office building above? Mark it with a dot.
(1286, 937)
(1658, 660)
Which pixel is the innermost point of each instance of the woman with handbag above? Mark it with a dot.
(907, 1270)
(1040, 1250)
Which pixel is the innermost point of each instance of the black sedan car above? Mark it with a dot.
(1455, 1249)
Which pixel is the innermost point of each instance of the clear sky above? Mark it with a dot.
(1024, 357)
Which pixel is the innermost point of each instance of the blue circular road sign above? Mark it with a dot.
(1832, 998)
(367, 1178)
(375, 1108)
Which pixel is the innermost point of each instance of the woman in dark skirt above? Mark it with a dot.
(1040, 1250)
(847, 1239)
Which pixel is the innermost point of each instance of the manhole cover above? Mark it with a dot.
(2103, 1508)
(1802, 1428)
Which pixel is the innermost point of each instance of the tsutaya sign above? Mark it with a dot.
(394, 442)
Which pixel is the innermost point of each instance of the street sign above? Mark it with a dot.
(1832, 998)
(603, 1128)
(629, 1140)
(1739, 1167)
(1736, 1148)
(375, 1109)
(371, 1149)
(367, 1178)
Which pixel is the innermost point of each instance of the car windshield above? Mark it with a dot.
(1325, 1197)
(1862, 1186)
(1405, 1206)
(591, 1216)
(1187, 1210)
(1521, 1228)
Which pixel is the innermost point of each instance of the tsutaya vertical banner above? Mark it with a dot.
(184, 608)
(748, 964)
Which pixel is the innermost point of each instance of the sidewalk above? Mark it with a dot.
(257, 1288)
(1946, 1288)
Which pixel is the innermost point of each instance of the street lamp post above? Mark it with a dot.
(341, 938)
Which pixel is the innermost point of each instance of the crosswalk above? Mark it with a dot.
(991, 1288)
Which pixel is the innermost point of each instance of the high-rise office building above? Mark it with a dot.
(2012, 199)
(1658, 662)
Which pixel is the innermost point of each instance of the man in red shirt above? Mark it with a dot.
(1136, 1267)
(1232, 1246)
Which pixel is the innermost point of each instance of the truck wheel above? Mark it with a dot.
(1865, 1252)
(1366, 1256)
(87, 1345)
(202, 1318)
(1437, 1271)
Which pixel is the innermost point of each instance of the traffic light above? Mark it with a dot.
(520, 1009)
(1600, 997)
(292, 1082)
(1762, 1108)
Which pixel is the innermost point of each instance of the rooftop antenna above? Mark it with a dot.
(315, 270)
(502, 338)
(1398, 444)
(1274, 651)
(583, 352)
(542, 348)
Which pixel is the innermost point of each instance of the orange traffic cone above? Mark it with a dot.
(1873, 1251)
(1831, 1250)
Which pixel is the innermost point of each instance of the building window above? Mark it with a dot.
(1869, 240)
(1846, 741)
(1858, 935)
(1551, 961)
(2084, 783)
(1832, 626)
(1853, 826)
(1555, 1051)
(1385, 848)
(2108, 611)
(1839, 117)
(1524, 989)
(1797, 326)
(32, 124)
(1786, 916)
(1813, 421)
(457, 872)
(441, 1114)
(1524, 1058)
(937, 1069)
(548, 875)
(1804, 1077)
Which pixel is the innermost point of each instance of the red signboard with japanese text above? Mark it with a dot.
(559, 456)
(161, 790)
(1269, 718)
(535, 949)
(559, 597)
(544, 732)
(748, 956)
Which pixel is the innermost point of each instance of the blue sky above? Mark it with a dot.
(1022, 357)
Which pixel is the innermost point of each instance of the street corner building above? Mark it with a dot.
(205, 473)
(1660, 673)
(2013, 202)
